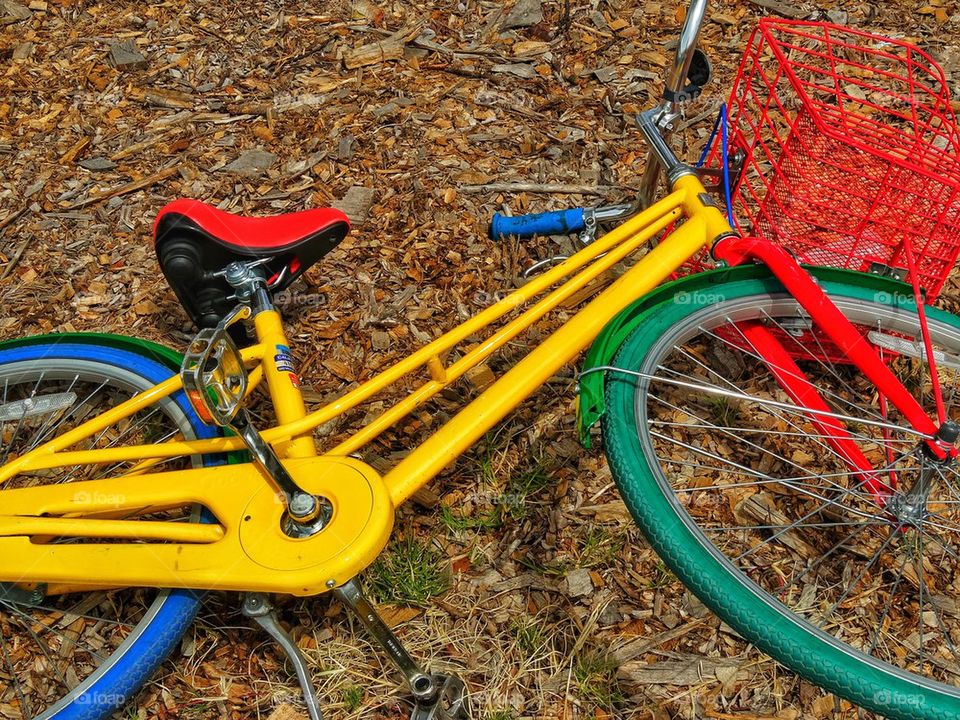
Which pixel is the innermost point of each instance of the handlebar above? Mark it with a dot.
(686, 45)
(559, 222)
(656, 125)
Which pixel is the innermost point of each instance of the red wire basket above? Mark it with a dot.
(851, 150)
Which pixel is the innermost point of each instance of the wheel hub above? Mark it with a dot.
(909, 506)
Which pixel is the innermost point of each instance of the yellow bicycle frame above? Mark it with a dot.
(245, 548)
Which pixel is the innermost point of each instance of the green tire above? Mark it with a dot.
(737, 600)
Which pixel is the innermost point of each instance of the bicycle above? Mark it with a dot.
(127, 465)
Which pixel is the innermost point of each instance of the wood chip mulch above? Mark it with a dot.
(420, 119)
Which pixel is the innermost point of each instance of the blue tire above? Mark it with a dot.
(117, 680)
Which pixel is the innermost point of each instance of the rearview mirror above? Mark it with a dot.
(700, 70)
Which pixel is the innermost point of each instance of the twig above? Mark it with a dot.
(12, 263)
(540, 188)
(144, 145)
(637, 646)
(453, 88)
(126, 189)
(782, 8)
(390, 48)
(12, 216)
(437, 47)
(15, 258)
(426, 44)
(593, 30)
(458, 71)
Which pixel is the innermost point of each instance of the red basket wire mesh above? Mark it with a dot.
(851, 150)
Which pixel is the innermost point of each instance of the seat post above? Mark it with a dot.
(283, 382)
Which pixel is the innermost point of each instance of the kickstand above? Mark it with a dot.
(437, 697)
(256, 606)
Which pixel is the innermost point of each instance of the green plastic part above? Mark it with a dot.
(591, 402)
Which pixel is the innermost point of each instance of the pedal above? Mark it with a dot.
(451, 702)
(436, 697)
(213, 375)
(257, 607)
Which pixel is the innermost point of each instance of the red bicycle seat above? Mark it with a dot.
(194, 240)
(248, 236)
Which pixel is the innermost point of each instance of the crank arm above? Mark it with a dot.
(437, 697)
(421, 684)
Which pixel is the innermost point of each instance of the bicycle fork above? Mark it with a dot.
(938, 441)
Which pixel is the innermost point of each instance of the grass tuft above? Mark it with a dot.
(503, 502)
(409, 572)
(597, 546)
(596, 678)
(352, 697)
(662, 576)
(485, 520)
(529, 635)
(723, 410)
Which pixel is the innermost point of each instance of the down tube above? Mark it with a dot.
(470, 424)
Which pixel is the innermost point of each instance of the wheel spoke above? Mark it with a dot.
(44, 649)
(55, 648)
(51, 628)
(766, 482)
(25, 710)
(16, 431)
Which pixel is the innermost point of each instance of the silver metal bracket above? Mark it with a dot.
(257, 607)
(250, 283)
(707, 199)
(594, 217)
(664, 117)
(889, 271)
(589, 232)
(13, 593)
(451, 702)
(712, 178)
(542, 265)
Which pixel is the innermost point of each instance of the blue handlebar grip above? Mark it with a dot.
(560, 222)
